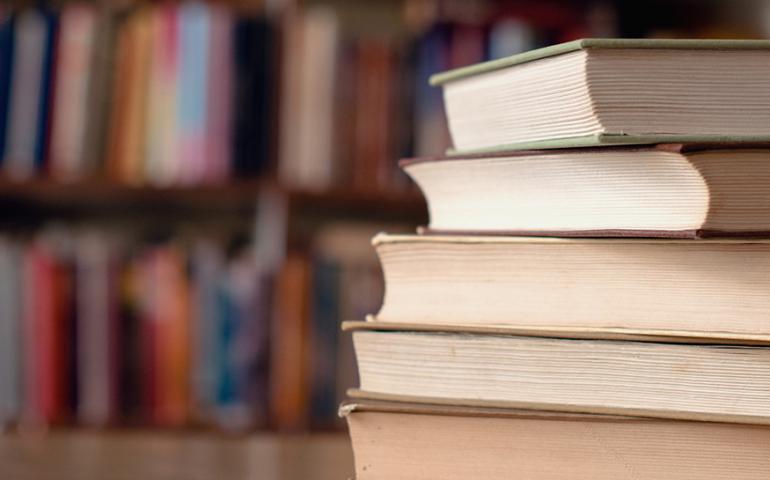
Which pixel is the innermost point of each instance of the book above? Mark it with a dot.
(10, 331)
(6, 62)
(47, 325)
(289, 345)
(254, 42)
(194, 22)
(126, 150)
(28, 109)
(372, 164)
(307, 103)
(220, 107)
(665, 190)
(207, 268)
(394, 440)
(166, 317)
(611, 91)
(161, 146)
(101, 78)
(97, 329)
(662, 380)
(673, 287)
(431, 56)
(75, 46)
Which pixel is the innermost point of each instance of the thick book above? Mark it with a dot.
(392, 440)
(672, 190)
(254, 42)
(672, 286)
(612, 91)
(647, 379)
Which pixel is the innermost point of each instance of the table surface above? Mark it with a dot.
(132, 455)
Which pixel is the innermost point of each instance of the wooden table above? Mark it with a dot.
(171, 456)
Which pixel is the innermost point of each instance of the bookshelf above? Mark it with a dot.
(377, 58)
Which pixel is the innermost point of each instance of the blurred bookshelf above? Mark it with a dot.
(188, 189)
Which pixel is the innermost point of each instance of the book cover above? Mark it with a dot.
(30, 74)
(72, 90)
(6, 64)
(604, 43)
(194, 76)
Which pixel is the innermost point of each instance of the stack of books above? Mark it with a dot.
(591, 297)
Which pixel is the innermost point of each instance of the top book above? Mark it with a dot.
(595, 92)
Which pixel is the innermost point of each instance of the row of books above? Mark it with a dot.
(103, 329)
(194, 92)
(367, 99)
(161, 94)
(590, 298)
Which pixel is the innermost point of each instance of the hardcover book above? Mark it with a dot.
(660, 380)
(679, 287)
(401, 440)
(658, 191)
(612, 91)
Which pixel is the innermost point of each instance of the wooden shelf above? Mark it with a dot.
(45, 197)
(78, 454)
(93, 192)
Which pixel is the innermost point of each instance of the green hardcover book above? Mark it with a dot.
(595, 92)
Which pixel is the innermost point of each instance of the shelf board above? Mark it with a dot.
(106, 192)
(150, 455)
(49, 196)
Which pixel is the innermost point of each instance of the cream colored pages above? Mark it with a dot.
(675, 285)
(647, 379)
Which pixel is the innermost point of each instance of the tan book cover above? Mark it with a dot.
(670, 287)
(401, 440)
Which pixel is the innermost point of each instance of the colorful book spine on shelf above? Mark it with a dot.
(194, 31)
(10, 332)
(160, 142)
(325, 316)
(6, 62)
(220, 107)
(289, 345)
(253, 87)
(96, 329)
(307, 109)
(126, 150)
(33, 38)
(74, 54)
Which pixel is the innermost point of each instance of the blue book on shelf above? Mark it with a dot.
(432, 57)
(46, 86)
(325, 331)
(194, 28)
(6, 60)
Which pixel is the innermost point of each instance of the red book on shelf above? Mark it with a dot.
(165, 319)
(47, 295)
(289, 344)
(373, 153)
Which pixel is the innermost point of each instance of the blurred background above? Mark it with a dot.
(188, 190)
